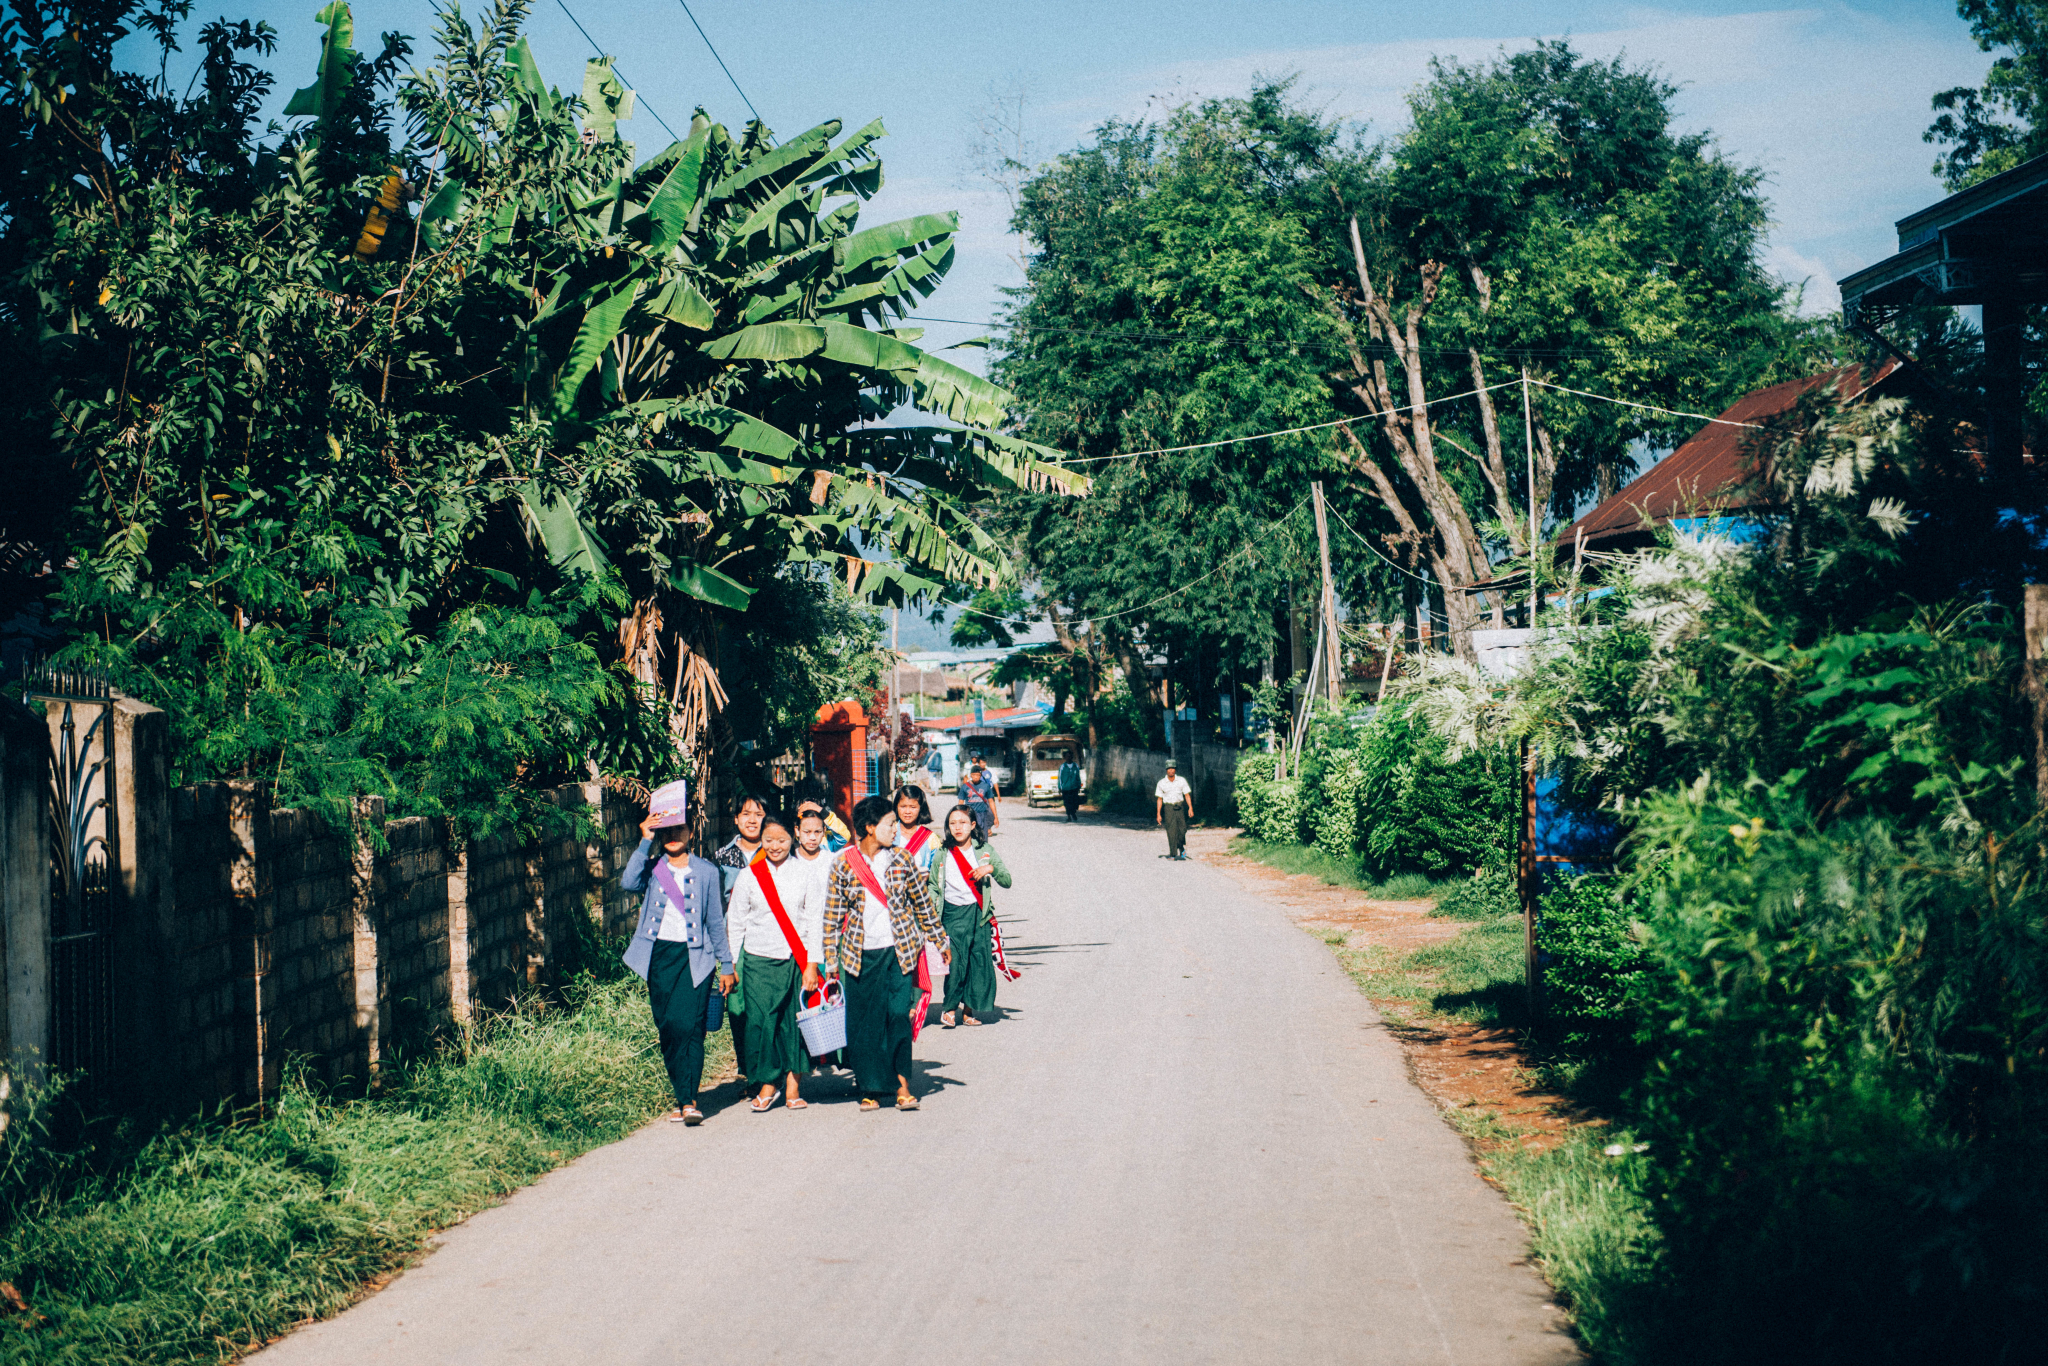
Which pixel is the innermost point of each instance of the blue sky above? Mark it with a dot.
(1830, 100)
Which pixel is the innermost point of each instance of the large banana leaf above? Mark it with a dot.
(706, 584)
(601, 324)
(337, 69)
(572, 546)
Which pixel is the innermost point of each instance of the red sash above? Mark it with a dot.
(917, 840)
(859, 863)
(764, 874)
(994, 926)
(967, 873)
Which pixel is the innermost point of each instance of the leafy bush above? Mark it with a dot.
(1270, 809)
(1591, 956)
(1848, 1083)
(1488, 893)
(1423, 813)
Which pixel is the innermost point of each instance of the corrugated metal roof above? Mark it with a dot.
(1710, 472)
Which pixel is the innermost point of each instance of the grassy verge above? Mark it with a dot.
(1338, 872)
(197, 1243)
(1582, 1197)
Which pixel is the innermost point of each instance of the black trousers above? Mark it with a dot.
(680, 1006)
(1073, 803)
(1175, 818)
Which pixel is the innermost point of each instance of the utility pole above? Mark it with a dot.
(895, 667)
(1332, 660)
(1529, 438)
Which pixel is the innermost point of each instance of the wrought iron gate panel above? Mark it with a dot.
(81, 871)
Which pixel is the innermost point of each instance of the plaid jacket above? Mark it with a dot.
(911, 914)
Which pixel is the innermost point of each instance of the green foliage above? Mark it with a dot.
(1268, 808)
(355, 440)
(177, 1245)
(1427, 810)
(1392, 789)
(1591, 956)
(1846, 1094)
(1488, 894)
(2004, 123)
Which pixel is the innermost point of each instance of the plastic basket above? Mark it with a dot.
(824, 1025)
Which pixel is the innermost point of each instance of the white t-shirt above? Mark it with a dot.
(1172, 791)
(675, 926)
(958, 890)
(877, 931)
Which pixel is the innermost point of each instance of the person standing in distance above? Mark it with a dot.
(1070, 789)
(1173, 803)
(680, 940)
(978, 789)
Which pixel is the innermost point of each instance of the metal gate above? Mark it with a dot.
(81, 711)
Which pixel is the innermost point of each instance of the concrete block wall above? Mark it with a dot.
(294, 939)
(410, 892)
(1211, 769)
(310, 992)
(210, 953)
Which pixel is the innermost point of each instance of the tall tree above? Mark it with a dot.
(2005, 121)
(442, 360)
(1540, 216)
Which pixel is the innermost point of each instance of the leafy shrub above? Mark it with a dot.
(1847, 1085)
(1591, 957)
(1423, 814)
(1270, 809)
(1488, 893)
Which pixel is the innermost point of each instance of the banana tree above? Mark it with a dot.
(714, 339)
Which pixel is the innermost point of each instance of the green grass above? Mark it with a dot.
(1339, 872)
(1589, 1228)
(196, 1242)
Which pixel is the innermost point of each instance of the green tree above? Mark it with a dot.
(1997, 126)
(443, 358)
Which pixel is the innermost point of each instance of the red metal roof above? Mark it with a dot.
(1711, 472)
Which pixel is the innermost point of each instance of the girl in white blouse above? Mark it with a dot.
(779, 963)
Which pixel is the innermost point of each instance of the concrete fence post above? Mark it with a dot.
(252, 918)
(458, 933)
(145, 917)
(24, 891)
(367, 1045)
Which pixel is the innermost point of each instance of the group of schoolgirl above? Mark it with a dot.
(779, 920)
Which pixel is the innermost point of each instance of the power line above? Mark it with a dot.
(1646, 407)
(720, 60)
(642, 99)
(1285, 431)
(1093, 617)
(1158, 335)
(1419, 578)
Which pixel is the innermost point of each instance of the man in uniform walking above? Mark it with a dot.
(1173, 803)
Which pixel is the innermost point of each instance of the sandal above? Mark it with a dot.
(869, 1103)
(675, 1116)
(967, 1019)
(906, 1102)
(946, 1020)
(761, 1105)
(691, 1115)
(796, 1103)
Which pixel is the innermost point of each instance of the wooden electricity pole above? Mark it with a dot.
(1333, 665)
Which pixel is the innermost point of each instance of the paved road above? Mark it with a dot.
(1187, 1140)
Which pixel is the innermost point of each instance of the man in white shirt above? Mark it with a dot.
(1173, 803)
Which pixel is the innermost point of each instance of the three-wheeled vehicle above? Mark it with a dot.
(1044, 756)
